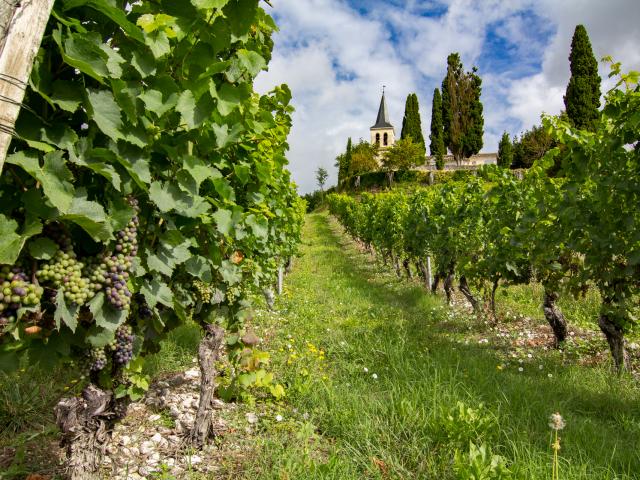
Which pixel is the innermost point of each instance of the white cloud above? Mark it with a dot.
(335, 58)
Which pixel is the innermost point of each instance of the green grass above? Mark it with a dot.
(342, 313)
(407, 423)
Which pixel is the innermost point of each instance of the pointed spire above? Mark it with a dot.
(383, 116)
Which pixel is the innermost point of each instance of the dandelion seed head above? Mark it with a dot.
(556, 422)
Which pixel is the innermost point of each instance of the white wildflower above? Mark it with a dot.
(520, 369)
(278, 418)
(366, 370)
(556, 422)
(374, 376)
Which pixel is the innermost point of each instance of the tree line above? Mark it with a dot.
(457, 123)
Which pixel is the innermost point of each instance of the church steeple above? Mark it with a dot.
(383, 133)
(383, 116)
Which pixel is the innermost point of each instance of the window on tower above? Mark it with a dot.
(378, 139)
(386, 139)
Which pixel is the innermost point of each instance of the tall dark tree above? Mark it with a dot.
(582, 98)
(437, 132)
(343, 162)
(411, 123)
(505, 151)
(462, 109)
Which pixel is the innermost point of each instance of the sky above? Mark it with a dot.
(336, 55)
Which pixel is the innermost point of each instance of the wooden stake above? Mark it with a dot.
(24, 29)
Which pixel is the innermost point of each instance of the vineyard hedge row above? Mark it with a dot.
(571, 223)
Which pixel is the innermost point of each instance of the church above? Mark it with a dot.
(383, 134)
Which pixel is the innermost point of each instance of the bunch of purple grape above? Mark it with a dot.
(127, 239)
(115, 281)
(123, 345)
(97, 359)
(15, 292)
(143, 308)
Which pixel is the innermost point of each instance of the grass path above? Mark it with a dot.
(344, 319)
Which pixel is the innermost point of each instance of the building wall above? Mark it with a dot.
(391, 139)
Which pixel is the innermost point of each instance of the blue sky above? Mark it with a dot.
(336, 55)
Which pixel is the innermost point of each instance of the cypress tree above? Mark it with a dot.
(411, 123)
(347, 158)
(461, 110)
(582, 98)
(505, 151)
(437, 134)
(344, 163)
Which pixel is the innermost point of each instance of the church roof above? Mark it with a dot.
(383, 116)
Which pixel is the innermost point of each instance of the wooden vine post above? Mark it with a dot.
(22, 25)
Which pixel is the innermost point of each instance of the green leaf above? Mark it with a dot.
(143, 62)
(206, 4)
(104, 314)
(173, 250)
(154, 102)
(199, 170)
(252, 61)
(240, 15)
(224, 222)
(90, 216)
(67, 95)
(43, 248)
(199, 267)
(155, 292)
(169, 196)
(54, 176)
(64, 313)
(105, 112)
(11, 242)
(115, 14)
(83, 54)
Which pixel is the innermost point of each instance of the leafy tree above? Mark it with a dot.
(437, 133)
(582, 98)
(533, 144)
(505, 151)
(411, 123)
(403, 155)
(321, 177)
(363, 158)
(462, 110)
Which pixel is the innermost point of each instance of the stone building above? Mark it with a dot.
(382, 133)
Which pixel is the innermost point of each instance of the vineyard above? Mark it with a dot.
(570, 224)
(148, 219)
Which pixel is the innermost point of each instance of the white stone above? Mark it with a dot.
(157, 438)
(174, 411)
(144, 471)
(147, 447)
(192, 373)
(125, 440)
(154, 459)
(195, 459)
(154, 417)
(251, 417)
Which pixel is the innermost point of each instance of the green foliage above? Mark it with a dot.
(363, 158)
(343, 162)
(505, 151)
(582, 98)
(437, 147)
(403, 155)
(411, 123)
(480, 464)
(531, 146)
(321, 177)
(145, 110)
(462, 109)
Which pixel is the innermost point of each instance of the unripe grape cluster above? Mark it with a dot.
(98, 359)
(123, 345)
(143, 308)
(203, 290)
(64, 272)
(16, 292)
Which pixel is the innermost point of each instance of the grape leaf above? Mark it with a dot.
(155, 292)
(64, 313)
(11, 242)
(43, 248)
(105, 315)
(252, 61)
(105, 112)
(54, 176)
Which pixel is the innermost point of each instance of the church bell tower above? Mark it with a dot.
(383, 133)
